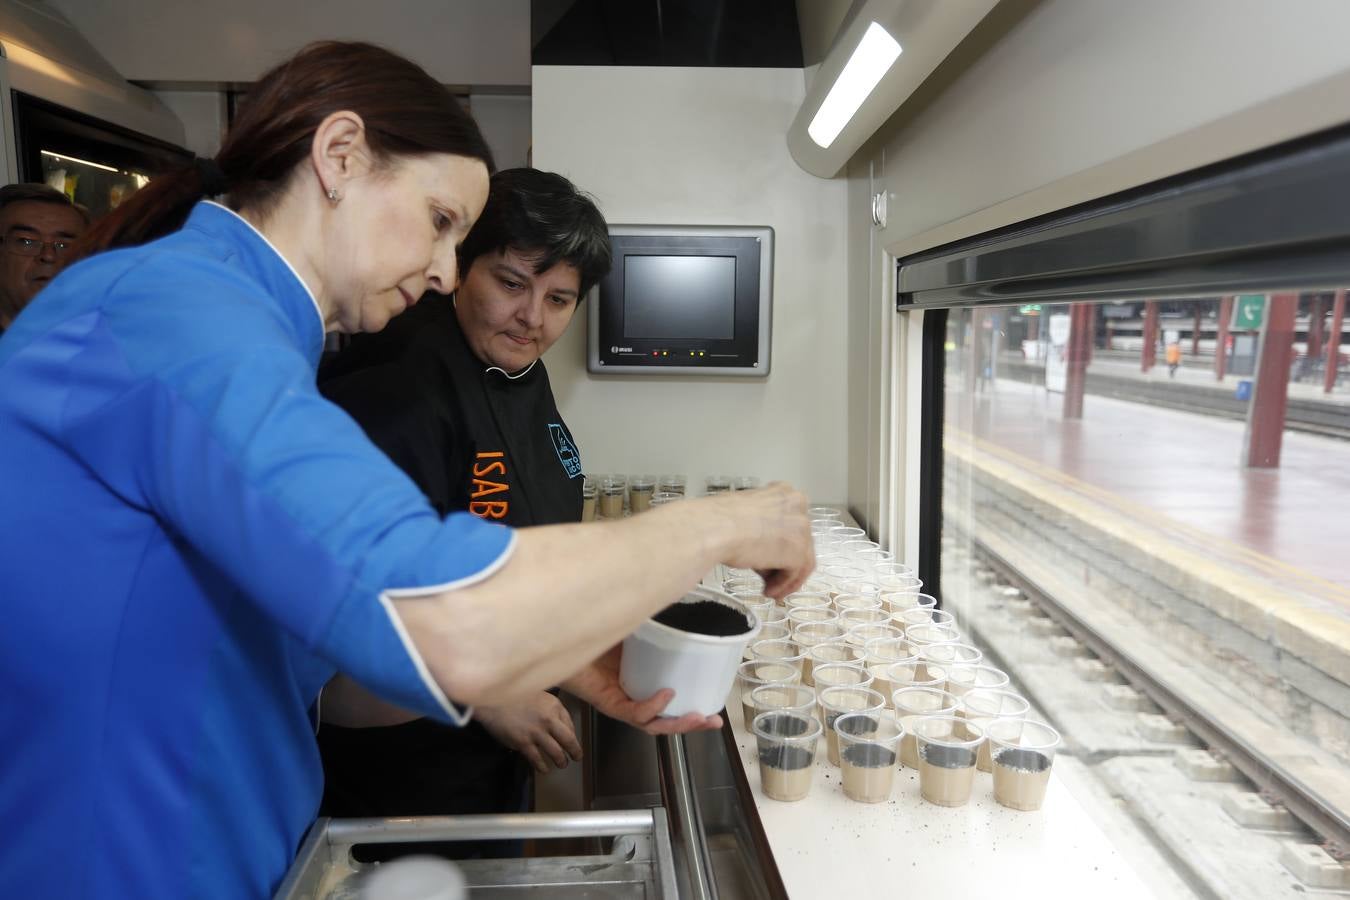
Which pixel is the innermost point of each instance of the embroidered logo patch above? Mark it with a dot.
(567, 451)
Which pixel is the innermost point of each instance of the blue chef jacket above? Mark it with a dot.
(192, 540)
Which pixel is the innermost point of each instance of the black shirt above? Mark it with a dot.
(473, 438)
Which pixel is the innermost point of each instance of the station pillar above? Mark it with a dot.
(1082, 324)
(1150, 354)
(1334, 342)
(1270, 399)
(1195, 332)
(1221, 338)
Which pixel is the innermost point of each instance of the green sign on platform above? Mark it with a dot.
(1248, 312)
(1029, 309)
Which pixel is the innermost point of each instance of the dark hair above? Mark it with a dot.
(21, 192)
(406, 113)
(540, 214)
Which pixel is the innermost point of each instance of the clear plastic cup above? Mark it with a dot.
(784, 650)
(880, 655)
(612, 490)
(837, 651)
(740, 583)
(826, 544)
(915, 673)
(863, 586)
(857, 600)
(807, 600)
(855, 546)
(717, 484)
(870, 559)
(825, 513)
(983, 706)
(947, 748)
(770, 631)
(808, 634)
(912, 704)
(918, 615)
(801, 615)
(756, 673)
(851, 617)
(1022, 755)
(899, 601)
(961, 679)
(865, 633)
(895, 576)
(850, 532)
(835, 575)
(814, 585)
(953, 654)
(745, 482)
(835, 702)
(661, 498)
(786, 744)
(869, 747)
(791, 697)
(589, 492)
(828, 675)
(671, 484)
(640, 491)
(922, 635)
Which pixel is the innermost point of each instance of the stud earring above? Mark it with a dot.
(333, 195)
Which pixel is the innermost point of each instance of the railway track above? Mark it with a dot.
(1330, 823)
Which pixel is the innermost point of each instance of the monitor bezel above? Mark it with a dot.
(751, 346)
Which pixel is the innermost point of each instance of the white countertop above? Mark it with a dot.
(828, 846)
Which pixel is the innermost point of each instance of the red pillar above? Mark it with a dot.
(1195, 333)
(1076, 356)
(1265, 421)
(1150, 354)
(1315, 318)
(1334, 341)
(1221, 337)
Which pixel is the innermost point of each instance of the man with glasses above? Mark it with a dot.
(38, 226)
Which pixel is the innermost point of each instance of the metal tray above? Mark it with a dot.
(639, 863)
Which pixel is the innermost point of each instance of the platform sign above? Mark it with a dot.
(1248, 312)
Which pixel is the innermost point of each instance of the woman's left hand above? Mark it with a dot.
(598, 685)
(540, 729)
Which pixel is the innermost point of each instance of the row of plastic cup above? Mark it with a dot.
(607, 496)
(869, 743)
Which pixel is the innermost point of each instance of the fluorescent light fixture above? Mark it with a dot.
(873, 58)
(83, 162)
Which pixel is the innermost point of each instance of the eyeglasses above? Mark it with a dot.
(26, 246)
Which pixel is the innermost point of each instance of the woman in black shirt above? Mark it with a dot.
(457, 395)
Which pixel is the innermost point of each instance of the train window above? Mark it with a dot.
(1136, 466)
(1142, 519)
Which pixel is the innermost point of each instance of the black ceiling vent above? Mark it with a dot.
(732, 33)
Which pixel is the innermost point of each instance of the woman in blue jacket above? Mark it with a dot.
(195, 541)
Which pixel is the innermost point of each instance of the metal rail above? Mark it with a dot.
(1305, 805)
(501, 826)
(680, 799)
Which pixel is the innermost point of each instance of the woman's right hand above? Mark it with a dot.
(769, 531)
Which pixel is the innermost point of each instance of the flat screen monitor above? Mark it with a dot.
(683, 300)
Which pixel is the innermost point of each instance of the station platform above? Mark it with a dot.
(1180, 473)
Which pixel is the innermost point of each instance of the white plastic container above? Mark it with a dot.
(415, 878)
(700, 668)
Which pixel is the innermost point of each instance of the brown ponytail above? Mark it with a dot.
(406, 113)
